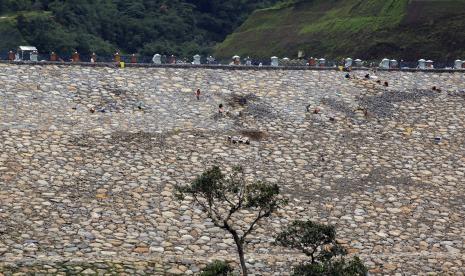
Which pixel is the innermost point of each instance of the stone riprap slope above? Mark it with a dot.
(88, 192)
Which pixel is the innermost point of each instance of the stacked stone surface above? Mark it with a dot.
(89, 158)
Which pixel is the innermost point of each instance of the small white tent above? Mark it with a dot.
(27, 49)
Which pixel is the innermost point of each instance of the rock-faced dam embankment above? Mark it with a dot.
(89, 157)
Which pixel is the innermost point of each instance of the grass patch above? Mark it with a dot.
(367, 29)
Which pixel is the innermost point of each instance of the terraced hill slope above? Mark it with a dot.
(92, 193)
(367, 29)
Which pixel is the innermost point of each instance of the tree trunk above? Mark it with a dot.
(240, 246)
(240, 251)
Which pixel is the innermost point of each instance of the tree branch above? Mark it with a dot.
(208, 211)
(259, 217)
(231, 212)
(238, 206)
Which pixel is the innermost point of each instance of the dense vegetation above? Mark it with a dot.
(182, 27)
(367, 29)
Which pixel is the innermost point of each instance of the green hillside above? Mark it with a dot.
(10, 35)
(180, 27)
(368, 29)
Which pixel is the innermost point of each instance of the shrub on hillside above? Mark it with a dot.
(318, 241)
(217, 268)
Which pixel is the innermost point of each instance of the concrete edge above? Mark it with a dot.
(223, 67)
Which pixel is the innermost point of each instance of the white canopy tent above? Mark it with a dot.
(29, 49)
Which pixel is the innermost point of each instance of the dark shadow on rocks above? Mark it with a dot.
(236, 100)
(457, 94)
(382, 105)
(338, 105)
(108, 98)
(254, 134)
(134, 141)
(377, 178)
(260, 111)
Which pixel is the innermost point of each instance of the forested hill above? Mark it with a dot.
(182, 27)
(368, 29)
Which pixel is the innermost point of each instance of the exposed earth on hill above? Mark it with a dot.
(367, 29)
